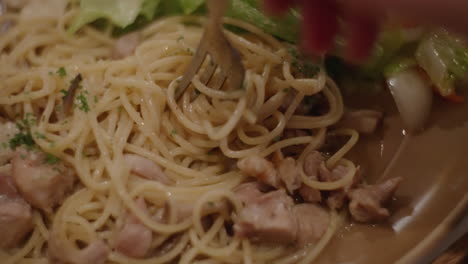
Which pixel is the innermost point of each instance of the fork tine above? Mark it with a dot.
(208, 73)
(218, 81)
(192, 69)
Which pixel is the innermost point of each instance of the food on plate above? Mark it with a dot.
(99, 163)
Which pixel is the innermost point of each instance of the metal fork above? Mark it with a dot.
(223, 55)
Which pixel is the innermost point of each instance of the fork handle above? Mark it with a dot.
(217, 9)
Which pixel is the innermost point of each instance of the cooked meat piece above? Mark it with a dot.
(15, 221)
(268, 219)
(364, 121)
(259, 168)
(248, 192)
(96, 252)
(41, 184)
(337, 198)
(277, 157)
(15, 214)
(8, 187)
(289, 174)
(310, 194)
(125, 46)
(367, 202)
(312, 220)
(335, 174)
(312, 163)
(146, 168)
(134, 239)
(311, 167)
(7, 131)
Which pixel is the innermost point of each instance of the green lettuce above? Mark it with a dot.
(129, 14)
(121, 13)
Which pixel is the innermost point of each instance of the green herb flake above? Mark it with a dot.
(276, 139)
(62, 72)
(22, 138)
(51, 159)
(197, 92)
(173, 132)
(286, 90)
(39, 135)
(64, 92)
(83, 103)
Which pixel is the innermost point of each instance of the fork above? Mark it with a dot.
(222, 54)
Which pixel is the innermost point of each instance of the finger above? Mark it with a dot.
(277, 7)
(361, 36)
(320, 25)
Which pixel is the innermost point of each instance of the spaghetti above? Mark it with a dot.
(127, 106)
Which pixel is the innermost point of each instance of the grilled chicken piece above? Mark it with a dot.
(15, 214)
(126, 45)
(269, 219)
(367, 203)
(261, 169)
(41, 184)
(134, 238)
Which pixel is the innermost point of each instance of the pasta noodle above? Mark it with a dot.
(130, 109)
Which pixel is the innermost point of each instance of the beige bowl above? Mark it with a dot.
(430, 209)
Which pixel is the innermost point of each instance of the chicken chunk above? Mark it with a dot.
(41, 184)
(15, 214)
(146, 168)
(311, 167)
(310, 194)
(126, 45)
(7, 131)
(289, 174)
(261, 169)
(312, 163)
(313, 221)
(367, 203)
(364, 121)
(248, 192)
(134, 239)
(268, 219)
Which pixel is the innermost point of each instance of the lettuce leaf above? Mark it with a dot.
(120, 12)
(189, 6)
(125, 13)
(286, 27)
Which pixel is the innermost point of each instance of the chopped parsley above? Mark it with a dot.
(39, 135)
(62, 72)
(173, 132)
(22, 138)
(83, 103)
(64, 92)
(276, 139)
(286, 90)
(197, 92)
(51, 159)
(306, 68)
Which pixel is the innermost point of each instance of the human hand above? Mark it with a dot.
(362, 19)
